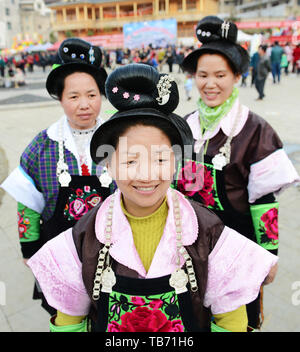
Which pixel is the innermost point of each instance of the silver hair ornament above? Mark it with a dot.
(163, 86)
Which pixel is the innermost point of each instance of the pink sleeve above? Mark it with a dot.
(271, 174)
(57, 269)
(236, 269)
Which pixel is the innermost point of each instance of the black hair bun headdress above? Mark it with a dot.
(141, 95)
(80, 51)
(140, 86)
(212, 28)
(218, 36)
(76, 55)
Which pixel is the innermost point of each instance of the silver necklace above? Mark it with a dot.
(105, 277)
(62, 168)
(223, 158)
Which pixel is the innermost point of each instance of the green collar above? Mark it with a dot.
(210, 117)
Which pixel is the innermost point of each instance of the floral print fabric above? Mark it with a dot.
(155, 313)
(265, 220)
(28, 224)
(80, 202)
(198, 181)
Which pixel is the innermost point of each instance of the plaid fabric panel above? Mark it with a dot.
(39, 161)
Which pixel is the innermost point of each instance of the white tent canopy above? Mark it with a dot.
(38, 47)
(243, 37)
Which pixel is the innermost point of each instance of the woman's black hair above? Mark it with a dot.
(68, 70)
(218, 37)
(123, 126)
(143, 96)
(135, 86)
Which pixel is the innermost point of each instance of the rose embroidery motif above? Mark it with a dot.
(143, 319)
(156, 303)
(206, 191)
(138, 301)
(195, 179)
(23, 225)
(269, 229)
(80, 202)
(190, 178)
(77, 208)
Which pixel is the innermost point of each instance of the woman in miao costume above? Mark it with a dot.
(56, 183)
(147, 259)
(239, 163)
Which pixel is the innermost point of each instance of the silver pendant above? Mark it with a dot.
(108, 280)
(219, 161)
(178, 281)
(64, 179)
(105, 179)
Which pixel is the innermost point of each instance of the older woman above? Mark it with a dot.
(239, 162)
(56, 183)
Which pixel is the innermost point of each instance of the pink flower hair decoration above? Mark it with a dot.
(126, 95)
(115, 89)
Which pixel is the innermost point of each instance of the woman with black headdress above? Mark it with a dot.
(56, 183)
(147, 259)
(239, 162)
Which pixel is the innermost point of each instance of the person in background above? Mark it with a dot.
(253, 67)
(263, 69)
(2, 67)
(296, 58)
(188, 86)
(276, 54)
(289, 55)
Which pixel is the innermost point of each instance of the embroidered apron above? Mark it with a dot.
(74, 201)
(205, 184)
(144, 305)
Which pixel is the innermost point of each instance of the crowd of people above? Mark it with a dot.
(274, 58)
(13, 68)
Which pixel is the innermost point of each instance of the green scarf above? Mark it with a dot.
(210, 117)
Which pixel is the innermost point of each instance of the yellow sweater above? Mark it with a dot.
(147, 232)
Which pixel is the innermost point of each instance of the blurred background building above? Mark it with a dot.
(106, 21)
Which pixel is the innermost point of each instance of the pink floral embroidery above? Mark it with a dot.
(138, 301)
(196, 178)
(80, 202)
(142, 319)
(136, 97)
(126, 95)
(156, 303)
(115, 89)
(270, 220)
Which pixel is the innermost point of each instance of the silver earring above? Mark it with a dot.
(105, 179)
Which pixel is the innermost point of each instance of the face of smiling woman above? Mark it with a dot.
(81, 100)
(214, 79)
(143, 166)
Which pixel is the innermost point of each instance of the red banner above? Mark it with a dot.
(107, 41)
(282, 39)
(267, 24)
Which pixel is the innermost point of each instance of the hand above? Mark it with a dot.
(25, 261)
(271, 276)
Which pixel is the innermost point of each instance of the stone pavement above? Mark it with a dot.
(27, 110)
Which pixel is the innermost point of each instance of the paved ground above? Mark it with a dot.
(25, 111)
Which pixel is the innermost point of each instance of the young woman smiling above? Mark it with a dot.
(56, 181)
(147, 259)
(237, 154)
